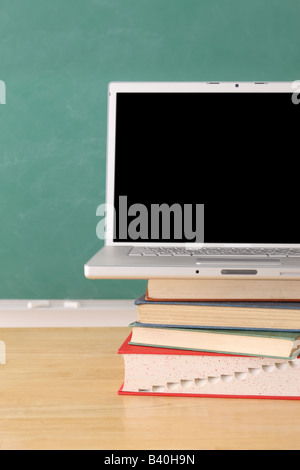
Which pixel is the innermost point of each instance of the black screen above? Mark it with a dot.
(236, 153)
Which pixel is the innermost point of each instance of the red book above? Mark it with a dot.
(175, 372)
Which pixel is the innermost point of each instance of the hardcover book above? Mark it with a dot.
(174, 372)
(224, 289)
(221, 314)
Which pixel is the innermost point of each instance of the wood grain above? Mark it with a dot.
(58, 390)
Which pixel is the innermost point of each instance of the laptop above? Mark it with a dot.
(201, 181)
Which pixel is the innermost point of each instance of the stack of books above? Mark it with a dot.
(216, 338)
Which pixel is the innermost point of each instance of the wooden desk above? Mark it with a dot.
(58, 390)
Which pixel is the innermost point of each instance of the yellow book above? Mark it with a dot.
(280, 344)
(223, 289)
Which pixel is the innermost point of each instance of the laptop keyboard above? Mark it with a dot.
(175, 251)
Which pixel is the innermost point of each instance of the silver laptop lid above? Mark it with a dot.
(202, 163)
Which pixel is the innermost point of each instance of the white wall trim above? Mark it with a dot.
(66, 313)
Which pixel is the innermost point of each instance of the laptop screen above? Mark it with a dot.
(207, 167)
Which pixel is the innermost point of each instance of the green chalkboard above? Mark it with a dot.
(56, 60)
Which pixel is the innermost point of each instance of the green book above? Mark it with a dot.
(263, 343)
